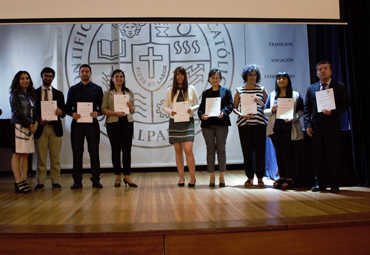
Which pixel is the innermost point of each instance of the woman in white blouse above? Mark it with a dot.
(181, 134)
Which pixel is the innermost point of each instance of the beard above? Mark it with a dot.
(46, 83)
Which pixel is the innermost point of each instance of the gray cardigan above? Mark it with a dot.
(108, 103)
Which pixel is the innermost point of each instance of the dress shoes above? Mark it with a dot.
(97, 184)
(39, 187)
(317, 188)
(56, 186)
(334, 190)
(76, 185)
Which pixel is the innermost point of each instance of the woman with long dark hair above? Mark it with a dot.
(283, 132)
(120, 127)
(181, 134)
(23, 120)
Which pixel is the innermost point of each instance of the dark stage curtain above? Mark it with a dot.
(347, 48)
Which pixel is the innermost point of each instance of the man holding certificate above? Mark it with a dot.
(50, 108)
(284, 107)
(83, 105)
(214, 111)
(324, 126)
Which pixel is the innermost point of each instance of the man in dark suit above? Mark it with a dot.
(49, 132)
(325, 129)
(89, 93)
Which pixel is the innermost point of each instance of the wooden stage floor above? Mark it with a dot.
(159, 208)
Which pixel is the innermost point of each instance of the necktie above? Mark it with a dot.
(46, 95)
(323, 86)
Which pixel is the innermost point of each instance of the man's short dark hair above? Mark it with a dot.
(85, 65)
(323, 62)
(47, 70)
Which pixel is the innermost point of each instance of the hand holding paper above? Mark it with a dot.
(285, 109)
(325, 100)
(48, 110)
(84, 110)
(180, 111)
(121, 103)
(248, 104)
(213, 106)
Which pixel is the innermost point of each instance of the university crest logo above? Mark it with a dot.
(148, 54)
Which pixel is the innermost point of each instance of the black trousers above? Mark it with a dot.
(327, 151)
(253, 139)
(284, 148)
(120, 137)
(92, 133)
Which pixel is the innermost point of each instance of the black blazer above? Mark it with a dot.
(59, 97)
(226, 108)
(320, 121)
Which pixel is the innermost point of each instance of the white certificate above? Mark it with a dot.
(247, 104)
(325, 100)
(84, 109)
(181, 109)
(48, 109)
(120, 103)
(213, 106)
(285, 109)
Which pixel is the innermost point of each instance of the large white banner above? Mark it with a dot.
(148, 54)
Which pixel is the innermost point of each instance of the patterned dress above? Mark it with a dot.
(180, 132)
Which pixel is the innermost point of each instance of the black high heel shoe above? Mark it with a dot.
(192, 185)
(222, 184)
(181, 184)
(22, 187)
(212, 183)
(130, 184)
(117, 184)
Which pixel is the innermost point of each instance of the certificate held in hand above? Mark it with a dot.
(325, 100)
(247, 104)
(48, 109)
(181, 109)
(285, 108)
(84, 109)
(120, 103)
(213, 106)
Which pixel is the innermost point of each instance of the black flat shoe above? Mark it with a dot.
(76, 185)
(97, 184)
(212, 185)
(130, 184)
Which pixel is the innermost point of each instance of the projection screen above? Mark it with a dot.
(51, 11)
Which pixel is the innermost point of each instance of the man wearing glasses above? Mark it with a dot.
(50, 131)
